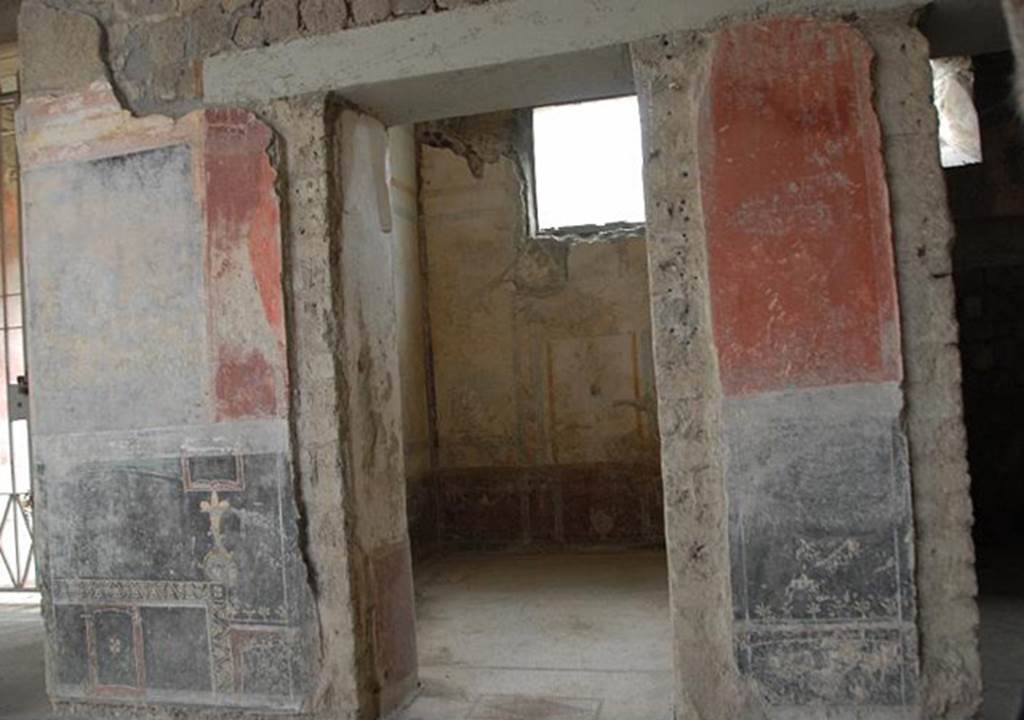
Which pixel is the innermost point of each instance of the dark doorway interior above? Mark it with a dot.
(988, 206)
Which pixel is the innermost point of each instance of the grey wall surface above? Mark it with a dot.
(91, 223)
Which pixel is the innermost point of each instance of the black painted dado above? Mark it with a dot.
(179, 579)
(820, 532)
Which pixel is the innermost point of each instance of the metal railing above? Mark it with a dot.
(17, 550)
(17, 546)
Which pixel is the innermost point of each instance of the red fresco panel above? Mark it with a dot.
(244, 267)
(797, 210)
(245, 385)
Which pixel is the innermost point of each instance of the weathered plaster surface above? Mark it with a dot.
(346, 393)
(583, 506)
(783, 668)
(473, 44)
(821, 542)
(368, 357)
(791, 164)
(168, 55)
(9, 20)
(797, 215)
(155, 51)
(306, 161)
(670, 74)
(541, 345)
(542, 365)
(413, 323)
(60, 52)
(348, 646)
(170, 557)
(933, 417)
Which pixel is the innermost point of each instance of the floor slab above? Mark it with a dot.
(1001, 602)
(22, 687)
(552, 637)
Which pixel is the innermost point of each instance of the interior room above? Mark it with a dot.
(529, 414)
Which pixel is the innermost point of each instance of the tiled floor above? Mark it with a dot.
(552, 637)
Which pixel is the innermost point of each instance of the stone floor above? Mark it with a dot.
(1001, 581)
(1002, 655)
(22, 688)
(558, 637)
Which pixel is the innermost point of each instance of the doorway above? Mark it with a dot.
(533, 486)
(989, 273)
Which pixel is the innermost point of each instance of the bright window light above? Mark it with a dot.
(588, 164)
(959, 129)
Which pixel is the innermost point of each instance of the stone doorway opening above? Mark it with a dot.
(530, 433)
(988, 269)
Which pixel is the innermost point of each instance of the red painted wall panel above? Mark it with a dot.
(246, 302)
(796, 210)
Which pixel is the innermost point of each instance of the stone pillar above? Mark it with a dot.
(346, 400)
(780, 372)
(306, 159)
(370, 406)
(806, 327)
(923, 236)
(669, 76)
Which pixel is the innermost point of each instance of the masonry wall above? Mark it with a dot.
(334, 389)
(174, 502)
(371, 404)
(542, 367)
(742, 242)
(947, 614)
(169, 540)
(156, 48)
(809, 356)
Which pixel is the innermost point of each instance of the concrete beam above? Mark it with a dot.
(472, 59)
(573, 77)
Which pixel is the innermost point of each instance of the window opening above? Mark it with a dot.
(588, 164)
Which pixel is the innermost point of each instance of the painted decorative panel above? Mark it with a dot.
(804, 313)
(170, 551)
(797, 210)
